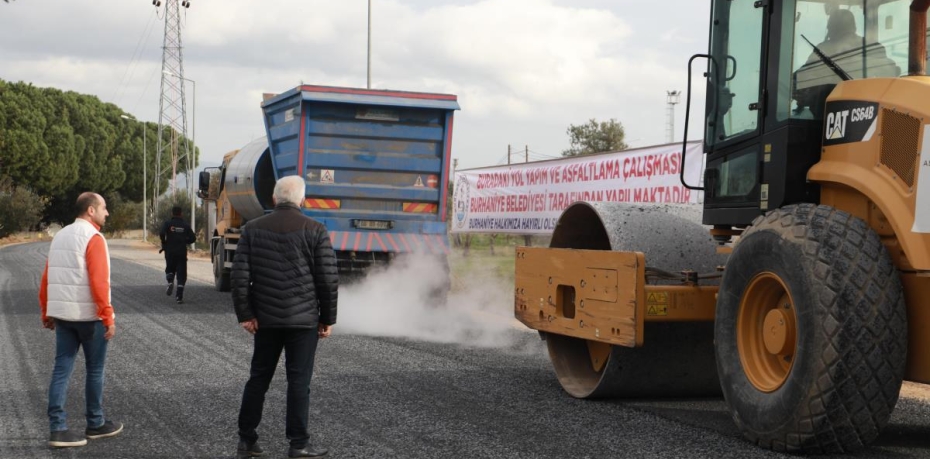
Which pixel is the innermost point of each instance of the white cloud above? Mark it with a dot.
(523, 69)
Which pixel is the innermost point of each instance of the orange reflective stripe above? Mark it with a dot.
(420, 207)
(313, 203)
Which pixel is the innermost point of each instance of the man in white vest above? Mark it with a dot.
(75, 300)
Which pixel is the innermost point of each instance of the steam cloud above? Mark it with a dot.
(396, 302)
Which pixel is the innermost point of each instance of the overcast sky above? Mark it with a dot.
(523, 70)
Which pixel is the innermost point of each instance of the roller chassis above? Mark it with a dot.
(809, 313)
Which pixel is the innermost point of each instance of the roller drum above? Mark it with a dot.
(677, 359)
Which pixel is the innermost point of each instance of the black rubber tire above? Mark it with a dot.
(851, 332)
(676, 359)
(220, 274)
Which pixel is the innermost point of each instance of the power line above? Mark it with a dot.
(503, 159)
(136, 55)
(540, 158)
(545, 155)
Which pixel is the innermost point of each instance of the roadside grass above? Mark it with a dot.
(30, 236)
(481, 259)
(499, 265)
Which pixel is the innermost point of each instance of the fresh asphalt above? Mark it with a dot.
(175, 375)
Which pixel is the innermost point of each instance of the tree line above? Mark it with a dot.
(56, 144)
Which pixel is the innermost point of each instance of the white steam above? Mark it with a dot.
(396, 302)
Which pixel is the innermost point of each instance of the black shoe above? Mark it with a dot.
(108, 429)
(169, 290)
(307, 451)
(66, 439)
(245, 450)
(180, 301)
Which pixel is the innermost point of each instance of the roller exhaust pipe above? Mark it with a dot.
(917, 51)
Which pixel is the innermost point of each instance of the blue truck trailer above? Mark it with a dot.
(376, 163)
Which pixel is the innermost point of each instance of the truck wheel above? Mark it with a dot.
(676, 359)
(810, 332)
(220, 275)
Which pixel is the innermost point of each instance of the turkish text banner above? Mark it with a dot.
(528, 198)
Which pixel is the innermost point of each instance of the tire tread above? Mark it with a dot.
(860, 369)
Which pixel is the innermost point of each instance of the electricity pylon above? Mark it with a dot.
(172, 105)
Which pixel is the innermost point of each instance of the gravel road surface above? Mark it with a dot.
(175, 375)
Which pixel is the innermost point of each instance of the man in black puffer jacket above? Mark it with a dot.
(284, 289)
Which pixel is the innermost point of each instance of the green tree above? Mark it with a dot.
(63, 143)
(124, 215)
(20, 208)
(595, 137)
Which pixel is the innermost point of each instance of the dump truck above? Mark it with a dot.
(376, 163)
(802, 290)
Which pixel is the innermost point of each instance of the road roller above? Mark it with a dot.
(799, 289)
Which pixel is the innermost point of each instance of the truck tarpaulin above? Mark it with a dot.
(528, 198)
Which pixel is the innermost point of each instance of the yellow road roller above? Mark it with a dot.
(801, 290)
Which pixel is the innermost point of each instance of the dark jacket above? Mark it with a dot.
(284, 272)
(176, 235)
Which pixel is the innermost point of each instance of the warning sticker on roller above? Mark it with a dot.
(657, 304)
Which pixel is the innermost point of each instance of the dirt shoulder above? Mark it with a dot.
(133, 237)
(145, 253)
(22, 238)
(916, 391)
(131, 247)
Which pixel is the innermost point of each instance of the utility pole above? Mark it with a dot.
(508, 154)
(172, 104)
(526, 154)
(145, 236)
(672, 98)
(369, 44)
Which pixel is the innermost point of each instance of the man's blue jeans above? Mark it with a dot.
(69, 336)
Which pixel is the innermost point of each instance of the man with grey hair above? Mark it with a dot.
(284, 289)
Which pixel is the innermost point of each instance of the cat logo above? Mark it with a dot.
(849, 121)
(836, 125)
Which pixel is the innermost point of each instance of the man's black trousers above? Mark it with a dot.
(176, 265)
(299, 347)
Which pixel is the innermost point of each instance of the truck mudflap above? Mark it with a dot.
(373, 241)
(600, 295)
